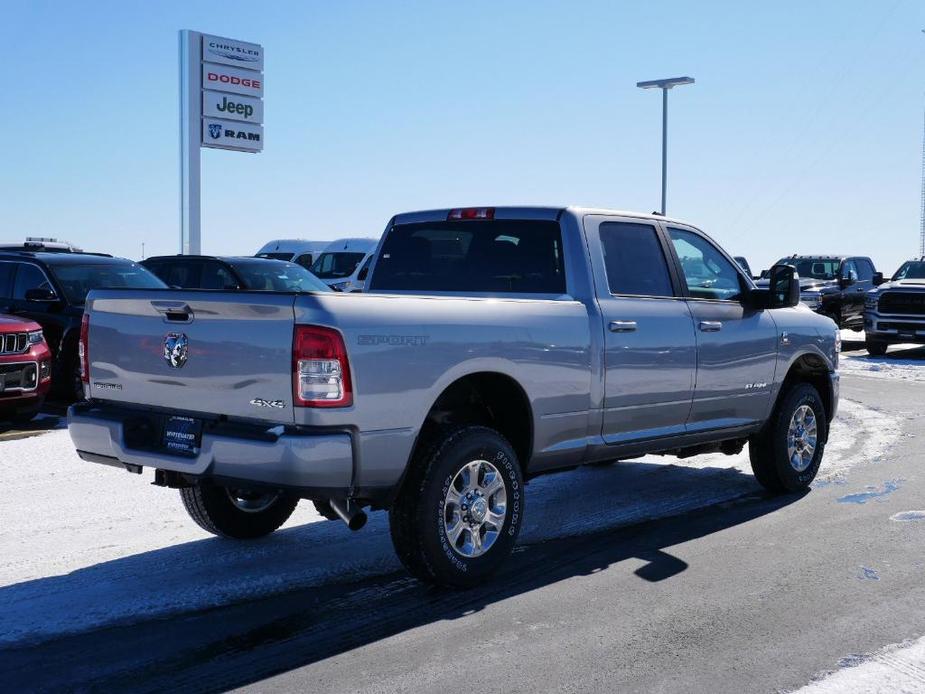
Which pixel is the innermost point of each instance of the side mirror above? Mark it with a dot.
(878, 279)
(41, 294)
(784, 287)
(846, 281)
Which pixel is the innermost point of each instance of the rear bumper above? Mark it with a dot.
(894, 328)
(315, 464)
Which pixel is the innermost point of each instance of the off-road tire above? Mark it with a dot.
(214, 512)
(876, 348)
(416, 517)
(767, 449)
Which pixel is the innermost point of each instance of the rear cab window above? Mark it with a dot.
(474, 257)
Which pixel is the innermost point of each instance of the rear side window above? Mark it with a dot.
(6, 279)
(216, 276)
(634, 260)
(498, 256)
(177, 273)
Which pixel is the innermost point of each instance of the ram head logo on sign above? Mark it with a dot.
(215, 130)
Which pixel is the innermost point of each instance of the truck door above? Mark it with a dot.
(736, 344)
(650, 354)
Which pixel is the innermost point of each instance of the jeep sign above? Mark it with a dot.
(232, 106)
(231, 135)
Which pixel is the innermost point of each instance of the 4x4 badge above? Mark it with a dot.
(176, 349)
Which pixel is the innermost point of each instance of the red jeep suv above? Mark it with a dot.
(25, 369)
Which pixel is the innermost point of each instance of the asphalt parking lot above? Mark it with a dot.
(673, 576)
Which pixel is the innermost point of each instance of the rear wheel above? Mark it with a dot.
(460, 510)
(786, 454)
(240, 514)
(876, 348)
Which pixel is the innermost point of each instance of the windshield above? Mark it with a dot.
(278, 276)
(330, 266)
(913, 270)
(77, 280)
(813, 268)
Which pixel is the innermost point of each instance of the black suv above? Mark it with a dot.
(50, 288)
(835, 285)
(211, 272)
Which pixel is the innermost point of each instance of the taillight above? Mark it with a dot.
(471, 213)
(320, 372)
(83, 348)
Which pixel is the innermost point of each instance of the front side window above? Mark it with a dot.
(634, 260)
(305, 260)
(341, 264)
(495, 257)
(29, 277)
(850, 271)
(78, 279)
(865, 270)
(707, 272)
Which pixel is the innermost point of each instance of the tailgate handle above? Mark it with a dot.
(174, 311)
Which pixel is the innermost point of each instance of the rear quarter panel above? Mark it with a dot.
(404, 351)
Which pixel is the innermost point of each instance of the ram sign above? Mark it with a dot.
(232, 135)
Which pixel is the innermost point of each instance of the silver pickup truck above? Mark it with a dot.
(494, 345)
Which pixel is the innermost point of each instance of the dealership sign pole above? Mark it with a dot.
(221, 106)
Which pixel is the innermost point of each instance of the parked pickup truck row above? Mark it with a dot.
(493, 345)
(895, 311)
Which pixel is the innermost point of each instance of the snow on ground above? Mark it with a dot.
(901, 362)
(896, 668)
(85, 545)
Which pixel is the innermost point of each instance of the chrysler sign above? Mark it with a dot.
(215, 49)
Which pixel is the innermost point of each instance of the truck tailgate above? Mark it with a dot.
(222, 353)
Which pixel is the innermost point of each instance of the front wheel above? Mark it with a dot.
(240, 514)
(876, 348)
(460, 510)
(787, 452)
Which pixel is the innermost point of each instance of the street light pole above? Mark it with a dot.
(665, 85)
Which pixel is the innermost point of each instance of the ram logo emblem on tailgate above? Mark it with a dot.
(176, 349)
(276, 404)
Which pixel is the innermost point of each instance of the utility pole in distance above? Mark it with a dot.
(665, 85)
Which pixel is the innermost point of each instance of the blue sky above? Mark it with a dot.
(803, 132)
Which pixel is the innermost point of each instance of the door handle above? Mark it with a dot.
(622, 326)
(710, 326)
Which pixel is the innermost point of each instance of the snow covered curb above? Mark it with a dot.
(894, 669)
(85, 546)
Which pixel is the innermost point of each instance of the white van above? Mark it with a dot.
(294, 250)
(344, 263)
